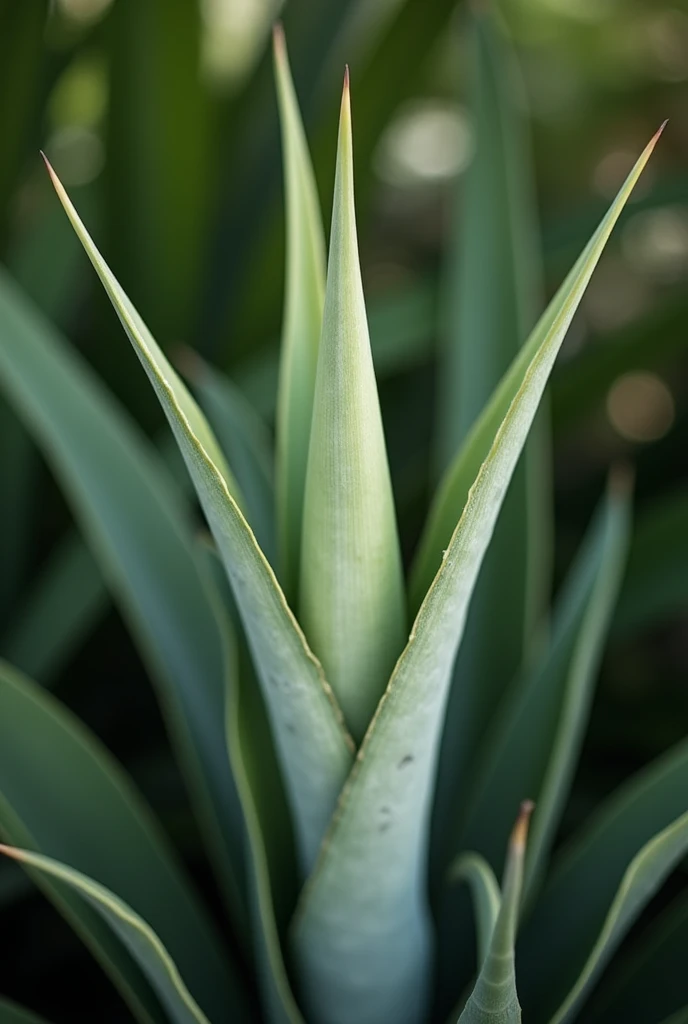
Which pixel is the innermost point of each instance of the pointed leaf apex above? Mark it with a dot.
(278, 40)
(346, 96)
(655, 138)
(57, 184)
(50, 169)
(519, 835)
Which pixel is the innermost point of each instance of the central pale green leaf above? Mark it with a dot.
(352, 592)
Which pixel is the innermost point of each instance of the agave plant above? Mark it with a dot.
(306, 684)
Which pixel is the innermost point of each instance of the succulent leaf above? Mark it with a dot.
(314, 748)
(647, 980)
(454, 489)
(133, 932)
(537, 735)
(491, 292)
(494, 999)
(364, 914)
(139, 530)
(351, 587)
(644, 875)
(303, 310)
(62, 792)
(474, 870)
(245, 442)
(254, 767)
(556, 965)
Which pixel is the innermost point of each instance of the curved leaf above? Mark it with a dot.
(303, 309)
(494, 999)
(139, 531)
(62, 792)
(645, 874)
(364, 913)
(134, 933)
(245, 441)
(534, 745)
(314, 748)
(11, 1013)
(649, 980)
(454, 490)
(493, 253)
(351, 585)
(588, 876)
(270, 866)
(474, 870)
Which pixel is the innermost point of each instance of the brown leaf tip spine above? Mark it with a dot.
(520, 832)
(655, 137)
(278, 41)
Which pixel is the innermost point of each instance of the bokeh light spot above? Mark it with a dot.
(640, 407)
(428, 142)
(655, 242)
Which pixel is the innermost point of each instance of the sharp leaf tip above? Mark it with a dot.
(520, 831)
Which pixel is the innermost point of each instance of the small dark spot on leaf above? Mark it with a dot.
(384, 826)
(406, 760)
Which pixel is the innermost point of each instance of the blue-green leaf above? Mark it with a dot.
(643, 877)
(245, 441)
(648, 980)
(314, 748)
(303, 309)
(132, 931)
(351, 585)
(494, 999)
(534, 744)
(592, 875)
(362, 935)
(140, 533)
(61, 793)
(493, 253)
(474, 870)
(270, 869)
